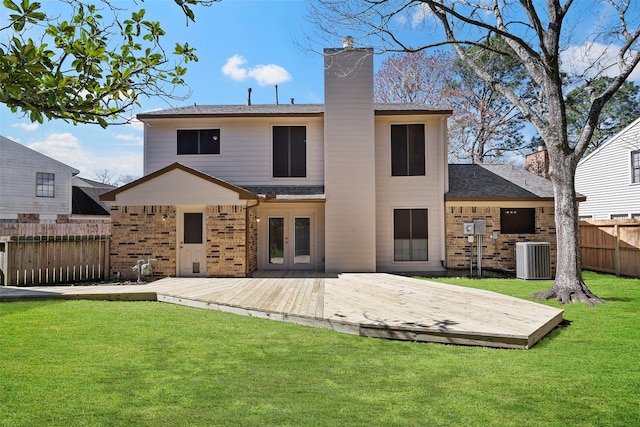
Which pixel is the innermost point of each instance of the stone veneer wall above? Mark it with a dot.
(496, 254)
(139, 232)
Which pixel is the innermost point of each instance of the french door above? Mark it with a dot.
(290, 242)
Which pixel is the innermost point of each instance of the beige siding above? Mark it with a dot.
(18, 168)
(605, 177)
(398, 192)
(245, 152)
(349, 161)
(177, 188)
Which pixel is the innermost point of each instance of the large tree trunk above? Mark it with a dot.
(568, 286)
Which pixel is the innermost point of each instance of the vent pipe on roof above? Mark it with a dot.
(249, 96)
(347, 42)
(277, 103)
(291, 101)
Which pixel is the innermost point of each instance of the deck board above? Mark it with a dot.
(369, 304)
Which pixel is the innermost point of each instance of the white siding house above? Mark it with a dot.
(610, 177)
(344, 186)
(33, 187)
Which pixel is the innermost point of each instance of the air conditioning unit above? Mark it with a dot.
(533, 260)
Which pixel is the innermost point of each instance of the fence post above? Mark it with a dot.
(616, 234)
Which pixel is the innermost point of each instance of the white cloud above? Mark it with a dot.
(63, 147)
(136, 124)
(132, 139)
(420, 14)
(263, 74)
(26, 126)
(233, 68)
(121, 159)
(593, 59)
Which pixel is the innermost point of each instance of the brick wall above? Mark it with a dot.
(140, 232)
(28, 218)
(499, 253)
(226, 241)
(253, 240)
(538, 163)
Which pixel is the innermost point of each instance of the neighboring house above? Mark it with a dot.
(341, 187)
(517, 205)
(610, 177)
(86, 203)
(35, 188)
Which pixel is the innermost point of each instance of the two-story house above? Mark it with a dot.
(34, 188)
(610, 177)
(345, 186)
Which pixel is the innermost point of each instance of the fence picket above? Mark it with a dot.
(32, 254)
(611, 246)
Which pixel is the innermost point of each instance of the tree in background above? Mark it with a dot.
(87, 68)
(484, 125)
(109, 177)
(618, 113)
(415, 77)
(493, 124)
(536, 33)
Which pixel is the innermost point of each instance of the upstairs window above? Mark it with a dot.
(518, 221)
(289, 151)
(410, 235)
(635, 166)
(407, 150)
(45, 184)
(199, 141)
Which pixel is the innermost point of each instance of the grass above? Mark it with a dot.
(92, 363)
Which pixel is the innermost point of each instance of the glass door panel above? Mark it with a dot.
(302, 233)
(276, 241)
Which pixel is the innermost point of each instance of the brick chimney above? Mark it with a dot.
(538, 162)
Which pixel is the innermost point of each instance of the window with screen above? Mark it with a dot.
(407, 150)
(45, 184)
(635, 166)
(410, 235)
(198, 141)
(518, 220)
(289, 151)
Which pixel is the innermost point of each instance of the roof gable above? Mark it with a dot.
(111, 196)
(10, 144)
(612, 141)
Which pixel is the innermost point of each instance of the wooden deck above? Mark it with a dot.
(367, 304)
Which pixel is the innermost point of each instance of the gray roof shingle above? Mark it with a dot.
(264, 110)
(496, 182)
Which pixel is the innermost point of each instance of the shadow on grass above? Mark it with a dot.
(18, 306)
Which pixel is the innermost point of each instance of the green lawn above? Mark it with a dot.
(77, 363)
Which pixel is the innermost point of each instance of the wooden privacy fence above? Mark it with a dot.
(611, 246)
(33, 254)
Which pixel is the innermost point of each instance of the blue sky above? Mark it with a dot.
(257, 41)
(240, 44)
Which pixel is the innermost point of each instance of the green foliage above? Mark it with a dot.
(622, 109)
(87, 68)
(154, 364)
